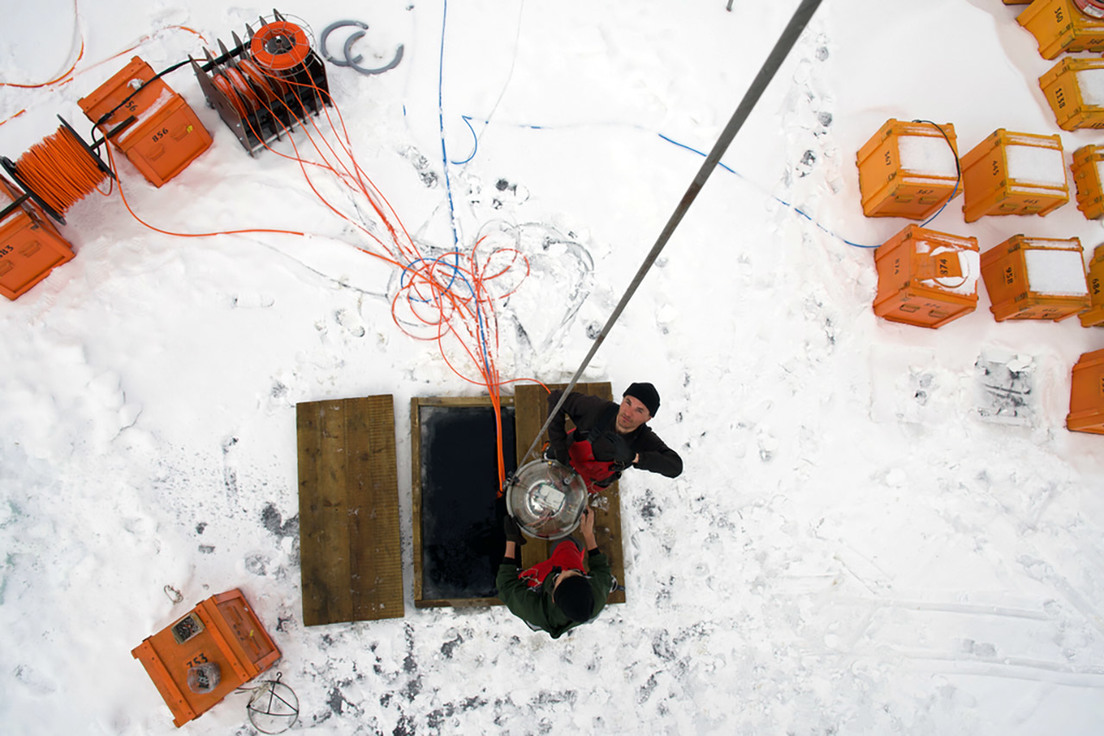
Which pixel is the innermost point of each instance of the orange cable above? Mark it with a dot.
(122, 195)
(432, 293)
(59, 170)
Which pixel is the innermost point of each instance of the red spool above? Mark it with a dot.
(279, 46)
(1091, 8)
(271, 87)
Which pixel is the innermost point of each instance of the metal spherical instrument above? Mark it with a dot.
(546, 499)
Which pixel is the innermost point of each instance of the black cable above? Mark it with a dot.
(14, 206)
(129, 97)
(958, 170)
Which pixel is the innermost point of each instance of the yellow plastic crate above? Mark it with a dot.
(1075, 90)
(908, 169)
(1035, 278)
(1086, 412)
(1059, 27)
(1014, 174)
(926, 278)
(1088, 180)
(1094, 315)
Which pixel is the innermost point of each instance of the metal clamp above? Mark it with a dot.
(350, 60)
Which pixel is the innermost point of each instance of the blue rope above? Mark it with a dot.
(457, 275)
(441, 126)
(729, 169)
(781, 201)
(475, 141)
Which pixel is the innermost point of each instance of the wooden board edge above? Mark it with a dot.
(416, 495)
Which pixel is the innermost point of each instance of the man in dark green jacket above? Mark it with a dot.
(555, 595)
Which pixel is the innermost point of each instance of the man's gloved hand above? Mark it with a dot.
(622, 452)
(513, 531)
(559, 453)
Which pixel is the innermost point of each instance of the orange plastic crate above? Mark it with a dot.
(1094, 315)
(1035, 278)
(1087, 169)
(907, 170)
(926, 278)
(222, 630)
(1075, 90)
(1086, 412)
(167, 135)
(1058, 26)
(1014, 174)
(30, 246)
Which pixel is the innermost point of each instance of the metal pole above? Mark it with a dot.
(766, 73)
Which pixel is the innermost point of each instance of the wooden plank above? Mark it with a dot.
(457, 538)
(530, 412)
(348, 511)
(416, 495)
(376, 556)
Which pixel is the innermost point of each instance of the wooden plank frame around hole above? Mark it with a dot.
(427, 593)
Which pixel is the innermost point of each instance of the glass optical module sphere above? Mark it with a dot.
(546, 499)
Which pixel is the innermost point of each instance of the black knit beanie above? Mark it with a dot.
(647, 394)
(575, 598)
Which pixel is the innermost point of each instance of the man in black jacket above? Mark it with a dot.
(610, 437)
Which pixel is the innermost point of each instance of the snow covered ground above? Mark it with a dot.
(868, 538)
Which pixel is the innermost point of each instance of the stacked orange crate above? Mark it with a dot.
(1087, 180)
(926, 278)
(908, 169)
(1059, 27)
(1014, 174)
(1035, 278)
(30, 246)
(1094, 316)
(1086, 412)
(165, 137)
(1075, 90)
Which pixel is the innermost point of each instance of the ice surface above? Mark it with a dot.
(1057, 272)
(860, 544)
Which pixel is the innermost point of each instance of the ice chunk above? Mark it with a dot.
(1037, 165)
(926, 155)
(1091, 84)
(1052, 271)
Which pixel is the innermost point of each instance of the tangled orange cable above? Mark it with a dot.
(450, 298)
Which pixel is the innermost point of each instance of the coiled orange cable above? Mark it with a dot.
(60, 170)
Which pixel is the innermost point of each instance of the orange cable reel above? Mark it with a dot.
(58, 171)
(280, 46)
